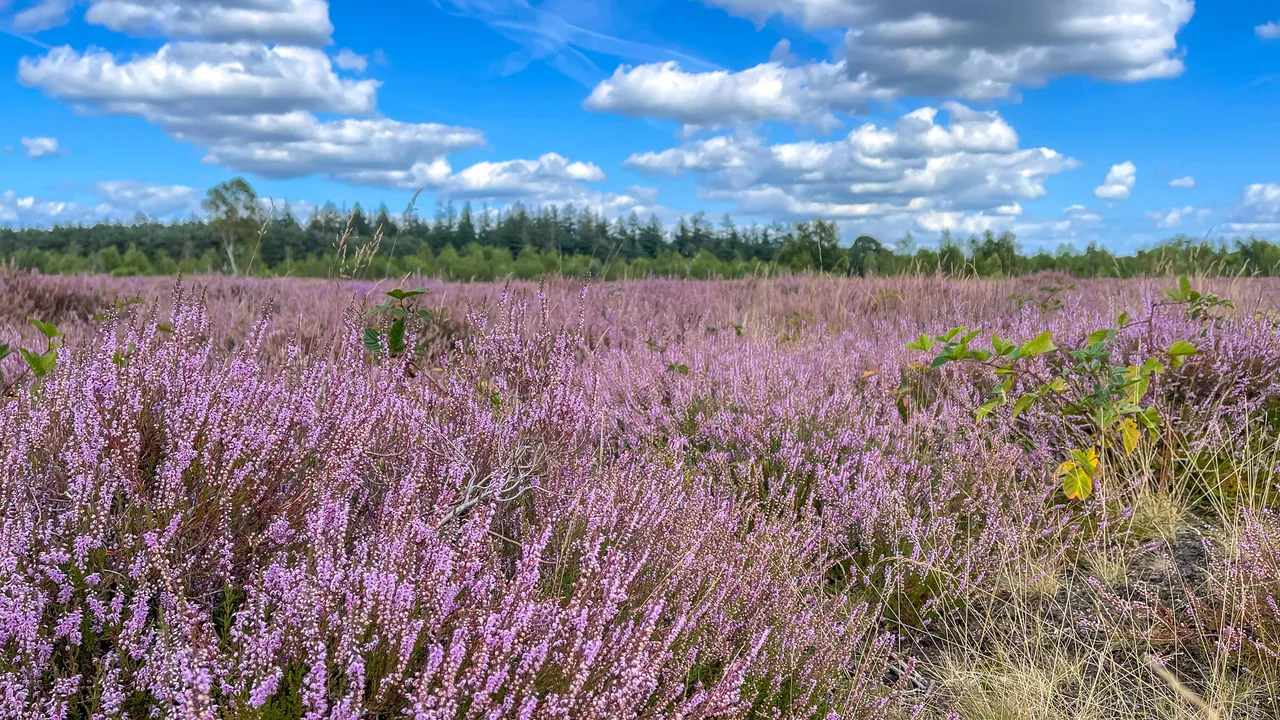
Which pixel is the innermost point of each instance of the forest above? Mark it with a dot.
(241, 236)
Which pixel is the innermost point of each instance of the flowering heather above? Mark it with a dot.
(749, 499)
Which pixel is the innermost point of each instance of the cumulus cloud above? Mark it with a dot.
(1268, 31)
(40, 146)
(351, 60)
(159, 200)
(1257, 210)
(1082, 214)
(1183, 182)
(27, 210)
(1174, 217)
(294, 22)
(43, 15)
(769, 91)
(966, 173)
(781, 53)
(929, 48)
(199, 78)
(1118, 183)
(254, 107)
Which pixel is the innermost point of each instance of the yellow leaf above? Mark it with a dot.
(869, 373)
(1067, 467)
(1077, 485)
(1130, 434)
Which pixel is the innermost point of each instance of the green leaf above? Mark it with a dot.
(680, 368)
(940, 361)
(980, 355)
(164, 327)
(395, 336)
(986, 408)
(399, 294)
(1180, 350)
(40, 365)
(1042, 344)
(1058, 385)
(950, 334)
(495, 400)
(49, 330)
(1123, 319)
(1023, 403)
(5, 351)
(1001, 346)
(1098, 336)
(372, 340)
(923, 343)
(1184, 286)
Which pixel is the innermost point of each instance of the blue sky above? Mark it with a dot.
(1118, 121)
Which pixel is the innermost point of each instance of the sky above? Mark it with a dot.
(1122, 122)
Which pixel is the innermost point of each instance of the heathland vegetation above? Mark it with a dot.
(790, 497)
(242, 236)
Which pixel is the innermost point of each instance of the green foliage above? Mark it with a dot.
(37, 362)
(400, 309)
(1084, 384)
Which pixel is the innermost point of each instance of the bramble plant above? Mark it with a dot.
(402, 307)
(38, 362)
(1088, 385)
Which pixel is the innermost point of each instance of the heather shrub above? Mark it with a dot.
(296, 499)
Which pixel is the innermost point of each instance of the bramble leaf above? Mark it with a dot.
(1130, 435)
(49, 330)
(395, 336)
(372, 340)
(1040, 345)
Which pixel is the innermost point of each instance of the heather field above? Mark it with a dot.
(798, 497)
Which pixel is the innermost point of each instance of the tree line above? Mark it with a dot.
(241, 236)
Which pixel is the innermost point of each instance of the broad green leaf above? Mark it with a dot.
(5, 351)
(986, 408)
(395, 336)
(164, 327)
(1040, 345)
(1130, 435)
(1180, 350)
(1023, 403)
(940, 361)
(40, 365)
(1058, 385)
(372, 340)
(1184, 286)
(923, 343)
(49, 330)
(1123, 319)
(680, 368)
(980, 355)
(950, 334)
(399, 294)
(1099, 335)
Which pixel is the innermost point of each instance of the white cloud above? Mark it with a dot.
(295, 22)
(1257, 210)
(43, 15)
(769, 91)
(982, 50)
(1082, 214)
(199, 79)
(966, 173)
(1183, 182)
(145, 197)
(29, 210)
(1174, 217)
(40, 146)
(1268, 31)
(351, 60)
(253, 107)
(781, 53)
(1118, 183)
